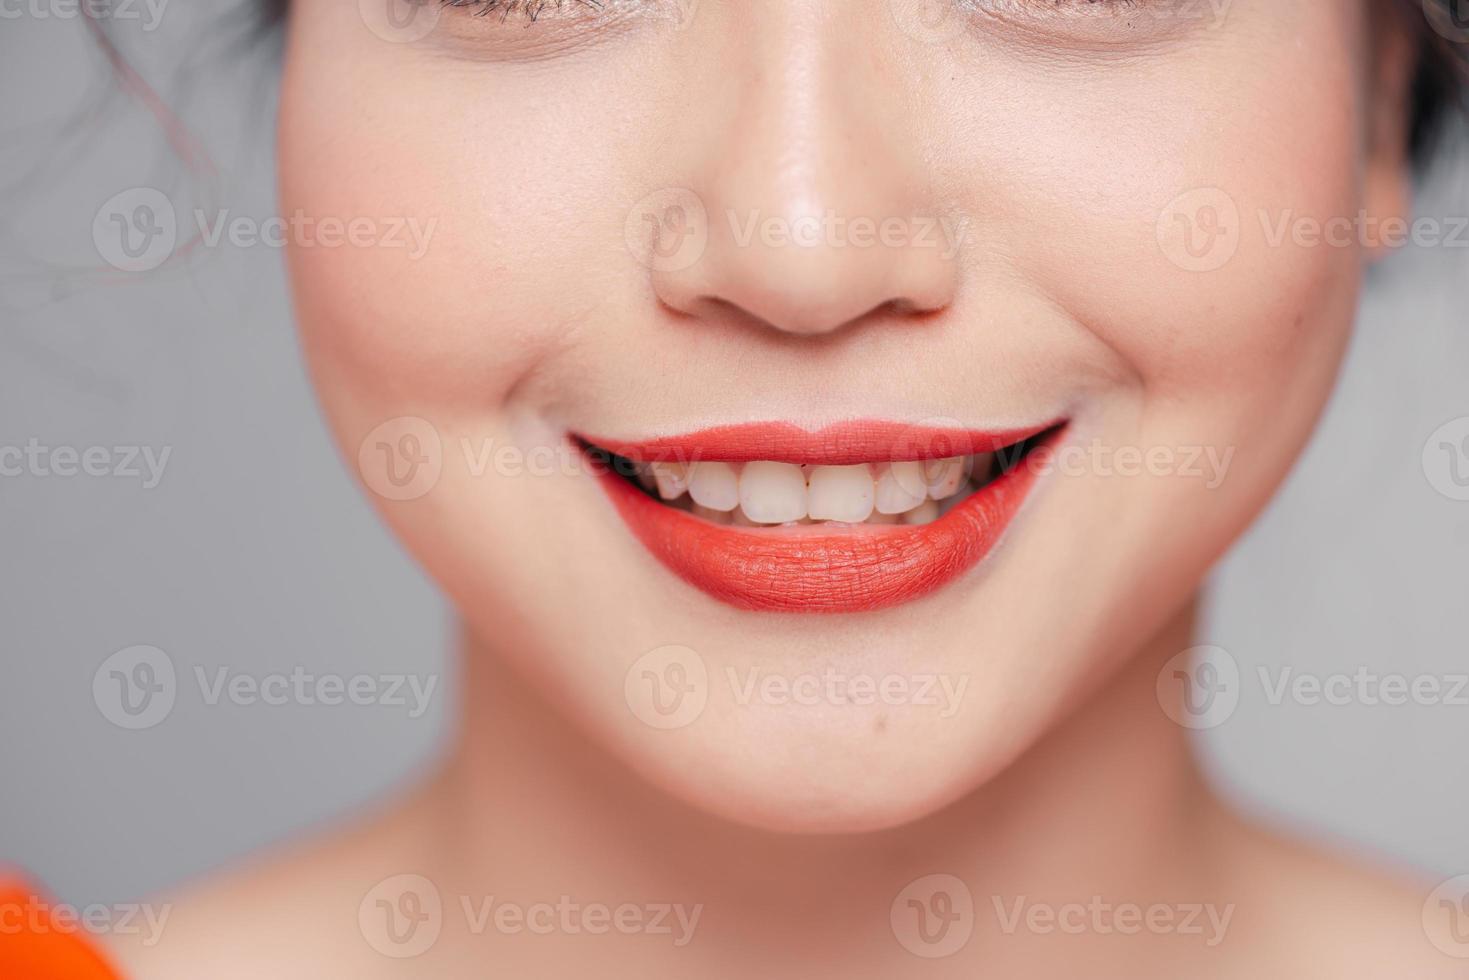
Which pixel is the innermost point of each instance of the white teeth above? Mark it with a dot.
(672, 479)
(739, 518)
(925, 513)
(944, 476)
(841, 493)
(764, 494)
(900, 488)
(715, 486)
(772, 493)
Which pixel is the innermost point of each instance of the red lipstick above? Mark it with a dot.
(821, 568)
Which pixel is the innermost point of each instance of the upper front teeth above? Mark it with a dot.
(714, 485)
(770, 493)
(773, 493)
(900, 488)
(672, 479)
(840, 493)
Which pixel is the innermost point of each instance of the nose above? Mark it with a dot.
(814, 197)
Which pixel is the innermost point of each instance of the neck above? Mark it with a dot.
(1108, 804)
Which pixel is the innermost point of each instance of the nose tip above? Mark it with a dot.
(814, 273)
(815, 192)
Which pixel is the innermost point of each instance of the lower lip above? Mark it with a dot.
(813, 569)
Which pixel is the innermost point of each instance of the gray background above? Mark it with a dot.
(256, 552)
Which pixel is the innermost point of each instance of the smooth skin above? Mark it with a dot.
(1061, 135)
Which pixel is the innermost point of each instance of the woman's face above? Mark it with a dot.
(887, 231)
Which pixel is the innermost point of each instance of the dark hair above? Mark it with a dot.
(1437, 92)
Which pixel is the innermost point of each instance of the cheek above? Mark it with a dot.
(511, 219)
(1149, 207)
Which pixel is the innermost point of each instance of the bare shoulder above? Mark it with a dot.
(293, 914)
(1327, 913)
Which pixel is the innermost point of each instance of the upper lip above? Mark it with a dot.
(838, 444)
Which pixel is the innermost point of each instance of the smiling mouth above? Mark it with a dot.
(852, 518)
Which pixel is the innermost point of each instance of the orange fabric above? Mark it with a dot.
(36, 944)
